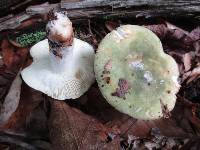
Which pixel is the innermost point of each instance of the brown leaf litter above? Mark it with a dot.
(90, 122)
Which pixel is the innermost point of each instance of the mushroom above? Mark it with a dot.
(135, 75)
(62, 65)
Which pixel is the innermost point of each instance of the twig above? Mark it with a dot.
(89, 27)
(20, 4)
(6, 17)
(11, 140)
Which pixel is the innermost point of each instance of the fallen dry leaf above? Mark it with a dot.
(187, 61)
(13, 57)
(6, 78)
(29, 100)
(111, 25)
(20, 140)
(195, 34)
(72, 129)
(193, 39)
(140, 128)
(31, 21)
(175, 37)
(168, 31)
(156, 140)
(98, 107)
(11, 101)
(188, 119)
(197, 49)
(160, 30)
(180, 128)
(173, 27)
(192, 75)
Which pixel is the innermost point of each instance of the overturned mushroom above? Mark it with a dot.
(62, 65)
(142, 78)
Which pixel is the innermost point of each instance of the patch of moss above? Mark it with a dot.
(27, 39)
(29, 35)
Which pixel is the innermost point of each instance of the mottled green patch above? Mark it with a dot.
(139, 72)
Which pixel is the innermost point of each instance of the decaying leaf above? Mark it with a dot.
(11, 101)
(176, 37)
(188, 120)
(195, 34)
(6, 78)
(192, 75)
(160, 30)
(21, 140)
(173, 27)
(156, 140)
(72, 129)
(13, 57)
(29, 100)
(195, 74)
(111, 25)
(187, 61)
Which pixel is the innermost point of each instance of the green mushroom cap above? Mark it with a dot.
(135, 75)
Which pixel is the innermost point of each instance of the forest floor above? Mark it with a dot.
(31, 120)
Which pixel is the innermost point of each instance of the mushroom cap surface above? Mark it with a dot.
(60, 28)
(135, 75)
(66, 78)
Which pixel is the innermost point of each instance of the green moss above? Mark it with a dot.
(27, 39)
(29, 35)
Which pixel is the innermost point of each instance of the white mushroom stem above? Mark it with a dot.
(62, 65)
(65, 63)
(61, 43)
